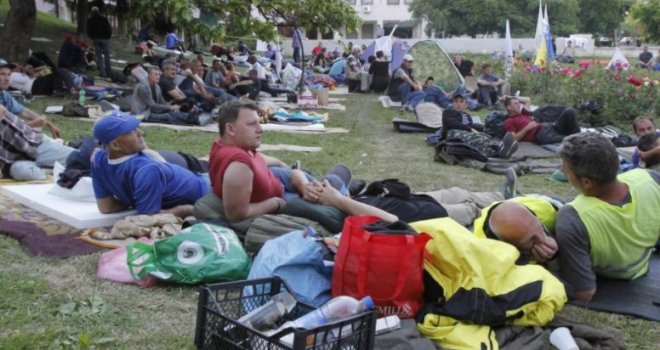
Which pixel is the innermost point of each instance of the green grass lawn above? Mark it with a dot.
(61, 304)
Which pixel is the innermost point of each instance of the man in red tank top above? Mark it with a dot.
(241, 176)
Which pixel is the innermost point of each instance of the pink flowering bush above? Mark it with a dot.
(622, 94)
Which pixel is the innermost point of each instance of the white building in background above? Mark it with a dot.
(57, 8)
(386, 13)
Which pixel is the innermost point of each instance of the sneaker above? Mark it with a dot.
(296, 165)
(506, 146)
(510, 184)
(356, 187)
(442, 156)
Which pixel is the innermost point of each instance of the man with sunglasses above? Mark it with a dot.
(125, 174)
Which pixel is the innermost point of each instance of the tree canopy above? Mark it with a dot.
(474, 17)
(235, 17)
(646, 14)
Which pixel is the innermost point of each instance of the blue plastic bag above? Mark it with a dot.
(299, 261)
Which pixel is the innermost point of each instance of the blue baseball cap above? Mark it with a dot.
(114, 125)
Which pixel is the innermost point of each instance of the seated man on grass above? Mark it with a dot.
(246, 185)
(644, 126)
(126, 175)
(490, 86)
(524, 128)
(24, 149)
(402, 81)
(457, 124)
(612, 226)
(649, 143)
(148, 100)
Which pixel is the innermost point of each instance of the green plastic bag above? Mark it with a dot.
(200, 253)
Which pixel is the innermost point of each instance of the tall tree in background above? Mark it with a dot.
(474, 17)
(19, 25)
(82, 12)
(646, 14)
(602, 16)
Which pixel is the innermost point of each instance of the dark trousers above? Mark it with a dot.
(488, 95)
(566, 124)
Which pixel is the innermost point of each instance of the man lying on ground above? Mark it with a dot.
(612, 226)
(24, 149)
(525, 129)
(125, 175)
(242, 177)
(30, 80)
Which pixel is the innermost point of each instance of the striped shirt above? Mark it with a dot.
(18, 140)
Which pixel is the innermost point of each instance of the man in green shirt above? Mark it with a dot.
(612, 226)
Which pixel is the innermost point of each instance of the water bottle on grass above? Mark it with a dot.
(81, 97)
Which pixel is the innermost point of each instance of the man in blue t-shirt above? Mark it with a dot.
(127, 175)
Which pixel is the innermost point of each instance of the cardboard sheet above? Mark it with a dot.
(387, 102)
(77, 214)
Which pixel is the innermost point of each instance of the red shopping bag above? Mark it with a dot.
(387, 267)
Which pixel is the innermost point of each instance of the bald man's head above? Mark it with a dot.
(513, 223)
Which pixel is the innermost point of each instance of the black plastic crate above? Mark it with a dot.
(221, 304)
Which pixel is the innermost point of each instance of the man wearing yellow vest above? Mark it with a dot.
(526, 222)
(611, 227)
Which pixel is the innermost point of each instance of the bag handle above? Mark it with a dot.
(140, 259)
(364, 265)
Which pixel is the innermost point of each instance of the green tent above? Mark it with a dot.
(431, 60)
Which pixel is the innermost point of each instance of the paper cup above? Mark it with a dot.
(562, 339)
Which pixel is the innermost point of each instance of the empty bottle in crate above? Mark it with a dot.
(337, 308)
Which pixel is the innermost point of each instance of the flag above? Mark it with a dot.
(542, 55)
(538, 37)
(508, 52)
(548, 35)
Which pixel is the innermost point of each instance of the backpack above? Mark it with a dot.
(547, 114)
(494, 125)
(395, 197)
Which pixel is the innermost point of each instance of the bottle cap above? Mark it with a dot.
(368, 303)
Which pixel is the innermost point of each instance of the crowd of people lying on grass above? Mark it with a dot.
(604, 231)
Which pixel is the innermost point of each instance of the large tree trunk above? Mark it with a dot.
(17, 32)
(81, 16)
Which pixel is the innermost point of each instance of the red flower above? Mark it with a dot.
(633, 80)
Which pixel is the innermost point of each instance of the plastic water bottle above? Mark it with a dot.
(267, 316)
(337, 308)
(81, 97)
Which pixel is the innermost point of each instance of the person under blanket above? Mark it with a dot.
(249, 188)
(612, 226)
(125, 175)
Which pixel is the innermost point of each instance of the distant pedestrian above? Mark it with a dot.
(99, 30)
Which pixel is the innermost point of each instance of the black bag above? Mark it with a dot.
(548, 114)
(75, 110)
(494, 124)
(415, 208)
(388, 188)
